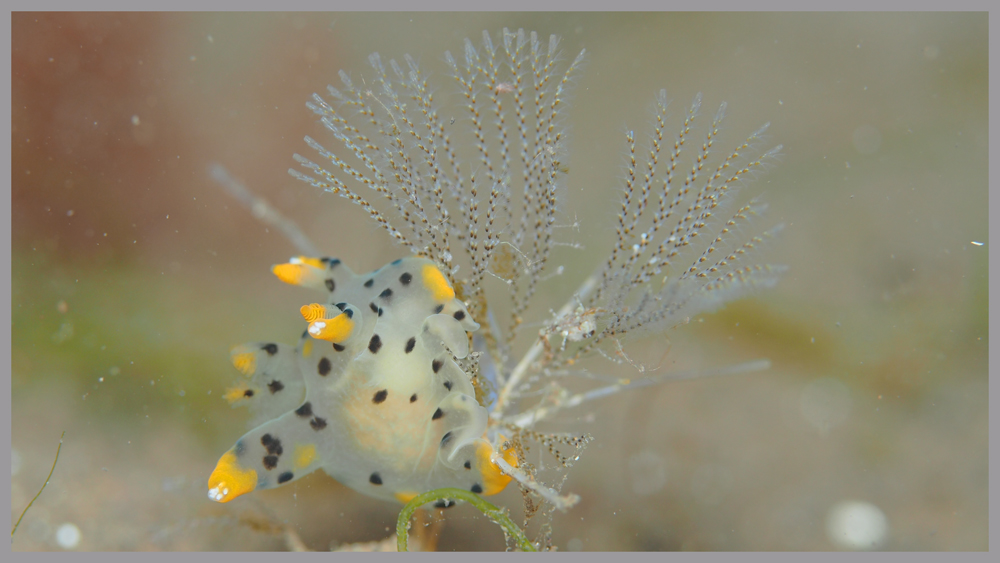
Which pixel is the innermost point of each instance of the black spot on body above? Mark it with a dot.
(333, 262)
(270, 462)
(274, 386)
(318, 423)
(330, 285)
(271, 444)
(341, 306)
(459, 315)
(386, 293)
(413, 398)
(349, 313)
(444, 503)
(446, 438)
(380, 396)
(477, 488)
(324, 366)
(375, 479)
(447, 385)
(338, 347)
(239, 448)
(406, 278)
(373, 307)
(410, 344)
(248, 393)
(285, 477)
(397, 261)
(437, 414)
(438, 309)
(374, 344)
(436, 365)
(305, 411)
(305, 333)
(271, 349)
(370, 282)
(468, 464)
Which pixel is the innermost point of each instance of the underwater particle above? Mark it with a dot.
(648, 471)
(64, 333)
(866, 139)
(856, 525)
(825, 403)
(68, 536)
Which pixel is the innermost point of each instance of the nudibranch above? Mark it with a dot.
(372, 393)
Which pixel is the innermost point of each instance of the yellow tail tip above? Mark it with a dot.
(230, 480)
(494, 479)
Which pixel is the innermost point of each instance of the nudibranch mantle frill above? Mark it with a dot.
(371, 394)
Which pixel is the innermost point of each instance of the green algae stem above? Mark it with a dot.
(39, 493)
(497, 515)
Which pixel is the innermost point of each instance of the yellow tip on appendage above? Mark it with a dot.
(335, 330)
(229, 480)
(313, 311)
(236, 394)
(293, 274)
(494, 479)
(245, 362)
(405, 497)
(301, 270)
(438, 285)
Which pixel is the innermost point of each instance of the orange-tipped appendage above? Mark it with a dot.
(313, 311)
(230, 480)
(301, 270)
(294, 274)
(236, 394)
(244, 361)
(438, 285)
(406, 496)
(335, 330)
(494, 480)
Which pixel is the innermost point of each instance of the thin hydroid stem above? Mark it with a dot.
(263, 211)
(519, 371)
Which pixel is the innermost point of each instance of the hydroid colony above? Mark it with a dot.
(413, 377)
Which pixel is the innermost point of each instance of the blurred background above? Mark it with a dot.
(133, 273)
